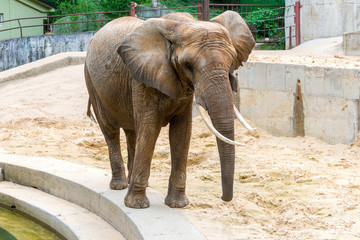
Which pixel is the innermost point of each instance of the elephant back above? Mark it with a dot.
(101, 54)
(106, 41)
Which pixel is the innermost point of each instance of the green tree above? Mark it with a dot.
(115, 5)
(267, 21)
(87, 6)
(65, 7)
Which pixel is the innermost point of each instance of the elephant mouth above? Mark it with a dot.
(188, 85)
(208, 123)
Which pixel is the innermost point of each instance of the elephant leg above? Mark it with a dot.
(179, 135)
(112, 138)
(146, 136)
(131, 143)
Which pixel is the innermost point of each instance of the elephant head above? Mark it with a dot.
(183, 56)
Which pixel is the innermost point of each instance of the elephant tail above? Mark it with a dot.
(89, 112)
(87, 79)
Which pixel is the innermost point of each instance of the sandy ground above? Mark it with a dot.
(319, 52)
(285, 188)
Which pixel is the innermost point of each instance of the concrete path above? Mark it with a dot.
(88, 188)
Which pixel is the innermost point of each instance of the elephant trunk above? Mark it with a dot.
(227, 160)
(223, 121)
(218, 100)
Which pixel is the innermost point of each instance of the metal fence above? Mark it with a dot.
(50, 22)
(266, 22)
(156, 12)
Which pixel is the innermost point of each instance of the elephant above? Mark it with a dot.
(143, 75)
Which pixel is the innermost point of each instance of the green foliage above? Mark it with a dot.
(82, 26)
(86, 6)
(268, 24)
(75, 6)
(115, 5)
(267, 21)
(180, 3)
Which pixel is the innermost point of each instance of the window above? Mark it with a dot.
(1, 18)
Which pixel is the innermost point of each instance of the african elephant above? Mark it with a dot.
(142, 75)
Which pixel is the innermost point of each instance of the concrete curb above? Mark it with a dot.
(88, 188)
(68, 219)
(43, 65)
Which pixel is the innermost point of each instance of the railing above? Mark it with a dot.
(51, 23)
(193, 10)
(267, 22)
(297, 22)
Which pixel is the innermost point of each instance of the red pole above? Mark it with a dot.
(199, 12)
(297, 22)
(132, 9)
(205, 10)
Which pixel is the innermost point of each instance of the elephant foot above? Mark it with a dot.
(118, 184)
(138, 200)
(176, 200)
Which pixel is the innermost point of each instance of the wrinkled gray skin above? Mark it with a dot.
(142, 75)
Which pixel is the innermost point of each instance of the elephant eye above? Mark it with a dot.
(189, 66)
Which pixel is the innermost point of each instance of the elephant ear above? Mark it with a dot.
(240, 34)
(146, 53)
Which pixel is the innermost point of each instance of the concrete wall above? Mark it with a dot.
(329, 100)
(351, 43)
(16, 52)
(324, 18)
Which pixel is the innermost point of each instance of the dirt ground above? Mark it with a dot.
(285, 188)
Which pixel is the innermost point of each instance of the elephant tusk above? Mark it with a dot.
(212, 128)
(242, 120)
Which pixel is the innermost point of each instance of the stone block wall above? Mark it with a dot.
(19, 51)
(330, 108)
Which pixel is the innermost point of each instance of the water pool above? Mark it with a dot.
(15, 226)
